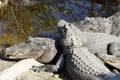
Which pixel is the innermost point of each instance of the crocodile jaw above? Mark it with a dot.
(23, 50)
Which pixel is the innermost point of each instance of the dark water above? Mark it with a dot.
(19, 22)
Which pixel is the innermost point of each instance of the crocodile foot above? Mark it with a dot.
(38, 68)
(48, 68)
(51, 67)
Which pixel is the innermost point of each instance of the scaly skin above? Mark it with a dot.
(80, 63)
(115, 19)
(96, 42)
(110, 25)
(94, 24)
(42, 49)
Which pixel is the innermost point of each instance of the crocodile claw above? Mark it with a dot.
(38, 68)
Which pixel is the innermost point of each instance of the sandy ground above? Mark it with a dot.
(31, 75)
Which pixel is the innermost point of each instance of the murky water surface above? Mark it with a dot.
(19, 22)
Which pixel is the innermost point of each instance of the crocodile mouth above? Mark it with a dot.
(15, 55)
(19, 57)
(22, 55)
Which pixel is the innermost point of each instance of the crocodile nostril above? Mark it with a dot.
(7, 55)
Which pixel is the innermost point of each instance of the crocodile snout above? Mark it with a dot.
(4, 53)
(7, 53)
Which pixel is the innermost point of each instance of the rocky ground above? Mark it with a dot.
(31, 75)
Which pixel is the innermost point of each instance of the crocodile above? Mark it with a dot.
(77, 45)
(109, 25)
(80, 61)
(115, 19)
(94, 24)
(99, 42)
(79, 39)
(44, 50)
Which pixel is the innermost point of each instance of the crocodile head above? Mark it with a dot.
(96, 24)
(62, 28)
(31, 48)
(66, 31)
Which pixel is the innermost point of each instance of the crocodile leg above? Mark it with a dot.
(113, 56)
(114, 48)
(51, 68)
